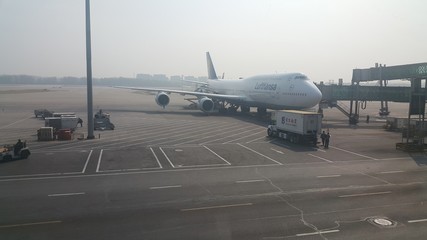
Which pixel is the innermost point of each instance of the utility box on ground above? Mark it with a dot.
(45, 134)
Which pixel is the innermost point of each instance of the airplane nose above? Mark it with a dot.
(318, 95)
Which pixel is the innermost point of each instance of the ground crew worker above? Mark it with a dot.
(328, 136)
(80, 121)
(323, 137)
(18, 146)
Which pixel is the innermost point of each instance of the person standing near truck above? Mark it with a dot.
(323, 137)
(327, 138)
(80, 121)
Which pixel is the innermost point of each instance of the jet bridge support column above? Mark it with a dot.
(384, 104)
(354, 103)
(417, 108)
(416, 130)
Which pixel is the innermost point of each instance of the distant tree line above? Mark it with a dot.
(119, 81)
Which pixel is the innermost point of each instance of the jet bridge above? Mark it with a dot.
(358, 95)
(413, 72)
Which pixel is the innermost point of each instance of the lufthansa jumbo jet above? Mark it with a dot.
(272, 91)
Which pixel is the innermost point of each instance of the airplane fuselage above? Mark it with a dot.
(274, 91)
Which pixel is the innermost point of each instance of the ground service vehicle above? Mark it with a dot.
(102, 121)
(44, 113)
(7, 152)
(295, 126)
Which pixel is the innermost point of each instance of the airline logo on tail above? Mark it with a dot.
(211, 69)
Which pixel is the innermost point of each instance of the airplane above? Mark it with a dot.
(272, 91)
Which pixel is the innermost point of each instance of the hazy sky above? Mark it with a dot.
(325, 39)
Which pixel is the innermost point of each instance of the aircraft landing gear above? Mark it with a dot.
(261, 110)
(233, 108)
(245, 109)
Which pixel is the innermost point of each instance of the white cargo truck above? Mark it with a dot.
(295, 126)
(64, 122)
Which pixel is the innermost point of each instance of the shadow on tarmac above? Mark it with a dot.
(253, 118)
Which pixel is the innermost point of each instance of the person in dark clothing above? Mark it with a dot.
(80, 121)
(323, 137)
(18, 146)
(328, 136)
(367, 118)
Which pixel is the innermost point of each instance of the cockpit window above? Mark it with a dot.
(301, 77)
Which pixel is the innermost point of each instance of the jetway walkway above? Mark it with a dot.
(335, 93)
(358, 95)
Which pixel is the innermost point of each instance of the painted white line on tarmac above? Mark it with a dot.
(417, 221)
(99, 160)
(157, 159)
(167, 158)
(278, 151)
(216, 154)
(279, 143)
(16, 122)
(216, 207)
(165, 187)
(206, 165)
(361, 155)
(217, 139)
(87, 161)
(65, 194)
(38, 175)
(364, 194)
(29, 224)
(116, 173)
(316, 233)
(251, 181)
(329, 176)
(243, 137)
(269, 158)
(324, 159)
(253, 140)
(397, 171)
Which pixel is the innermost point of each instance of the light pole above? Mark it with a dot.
(89, 75)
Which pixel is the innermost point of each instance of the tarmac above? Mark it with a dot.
(181, 173)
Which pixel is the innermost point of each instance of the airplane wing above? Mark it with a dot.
(196, 82)
(182, 92)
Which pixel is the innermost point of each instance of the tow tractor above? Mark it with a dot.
(7, 152)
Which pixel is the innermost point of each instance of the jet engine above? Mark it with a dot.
(206, 104)
(162, 99)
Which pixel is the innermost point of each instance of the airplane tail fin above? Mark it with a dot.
(211, 69)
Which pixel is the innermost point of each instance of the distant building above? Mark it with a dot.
(202, 78)
(163, 77)
(143, 76)
(176, 78)
(190, 78)
(160, 77)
